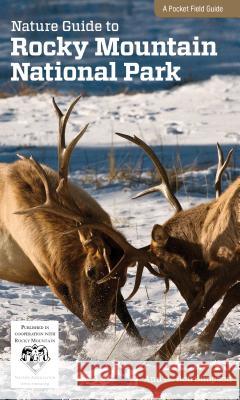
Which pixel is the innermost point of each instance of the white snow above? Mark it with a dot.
(197, 113)
(192, 114)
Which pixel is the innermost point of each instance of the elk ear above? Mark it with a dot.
(159, 236)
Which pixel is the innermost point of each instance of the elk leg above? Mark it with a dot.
(126, 319)
(192, 317)
(231, 300)
(197, 311)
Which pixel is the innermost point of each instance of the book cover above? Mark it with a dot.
(119, 191)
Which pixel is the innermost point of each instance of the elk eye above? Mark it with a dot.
(91, 272)
(63, 289)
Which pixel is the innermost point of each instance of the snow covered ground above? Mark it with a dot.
(197, 113)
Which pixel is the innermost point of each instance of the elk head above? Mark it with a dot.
(160, 237)
(93, 259)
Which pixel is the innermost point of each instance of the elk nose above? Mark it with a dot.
(98, 326)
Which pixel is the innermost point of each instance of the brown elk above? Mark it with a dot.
(44, 242)
(204, 242)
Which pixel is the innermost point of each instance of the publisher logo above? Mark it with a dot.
(35, 357)
(174, 379)
(34, 354)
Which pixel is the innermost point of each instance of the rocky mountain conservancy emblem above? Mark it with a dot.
(35, 357)
(34, 354)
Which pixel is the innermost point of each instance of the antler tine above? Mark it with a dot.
(63, 172)
(163, 187)
(63, 119)
(222, 165)
(131, 254)
(42, 174)
(65, 152)
(116, 236)
(22, 157)
(50, 204)
(138, 280)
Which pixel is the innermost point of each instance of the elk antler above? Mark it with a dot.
(53, 204)
(222, 165)
(164, 186)
(64, 153)
(131, 255)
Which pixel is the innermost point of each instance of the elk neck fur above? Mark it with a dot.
(208, 231)
(220, 232)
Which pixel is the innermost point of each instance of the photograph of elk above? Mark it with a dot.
(120, 201)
